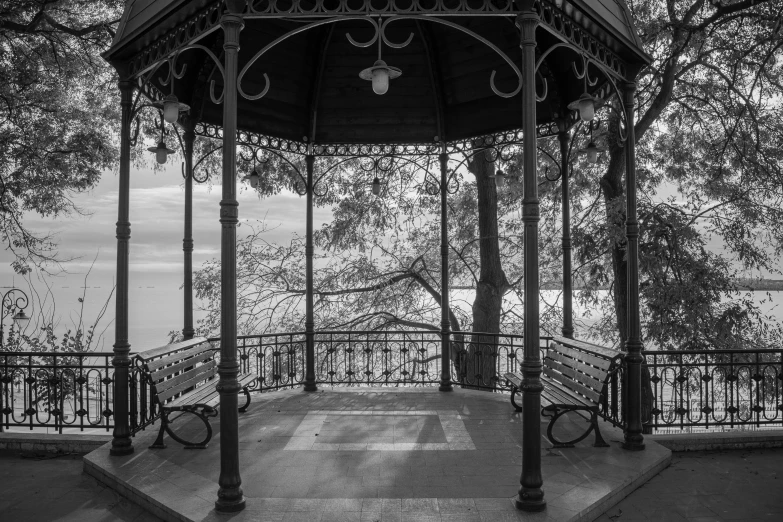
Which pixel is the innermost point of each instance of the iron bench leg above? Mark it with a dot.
(199, 410)
(599, 440)
(164, 421)
(593, 426)
(514, 391)
(243, 409)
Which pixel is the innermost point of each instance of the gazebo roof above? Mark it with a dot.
(444, 93)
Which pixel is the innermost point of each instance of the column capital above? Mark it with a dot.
(527, 21)
(232, 24)
(629, 90)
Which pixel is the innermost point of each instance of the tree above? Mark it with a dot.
(59, 117)
(709, 123)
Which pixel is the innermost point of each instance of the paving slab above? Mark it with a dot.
(317, 456)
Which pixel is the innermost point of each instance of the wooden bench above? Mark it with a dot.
(182, 378)
(575, 377)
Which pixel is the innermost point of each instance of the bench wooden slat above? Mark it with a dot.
(556, 394)
(572, 385)
(164, 372)
(604, 364)
(201, 395)
(179, 356)
(611, 353)
(515, 379)
(191, 382)
(204, 371)
(593, 377)
(206, 393)
(170, 348)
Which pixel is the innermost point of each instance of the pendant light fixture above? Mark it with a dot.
(161, 150)
(592, 150)
(380, 74)
(586, 104)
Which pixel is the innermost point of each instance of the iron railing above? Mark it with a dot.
(690, 389)
(717, 388)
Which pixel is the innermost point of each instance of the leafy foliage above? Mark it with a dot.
(58, 114)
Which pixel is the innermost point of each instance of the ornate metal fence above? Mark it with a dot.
(690, 390)
(708, 389)
(63, 390)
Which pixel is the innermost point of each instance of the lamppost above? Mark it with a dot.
(11, 303)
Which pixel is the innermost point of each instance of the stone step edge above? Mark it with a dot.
(720, 441)
(52, 443)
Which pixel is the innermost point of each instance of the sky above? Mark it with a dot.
(156, 257)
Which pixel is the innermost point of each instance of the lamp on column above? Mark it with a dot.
(500, 179)
(161, 150)
(376, 186)
(254, 177)
(14, 299)
(592, 150)
(586, 104)
(171, 107)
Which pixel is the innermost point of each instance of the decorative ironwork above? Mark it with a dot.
(565, 28)
(198, 26)
(14, 301)
(66, 390)
(698, 390)
(321, 8)
(380, 36)
(716, 388)
(255, 140)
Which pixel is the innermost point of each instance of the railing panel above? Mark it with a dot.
(720, 388)
(56, 390)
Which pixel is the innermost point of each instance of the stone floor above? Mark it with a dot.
(380, 455)
(698, 486)
(43, 487)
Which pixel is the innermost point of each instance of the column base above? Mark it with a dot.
(310, 387)
(445, 386)
(122, 448)
(531, 500)
(224, 505)
(633, 441)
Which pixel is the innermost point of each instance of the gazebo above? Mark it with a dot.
(374, 78)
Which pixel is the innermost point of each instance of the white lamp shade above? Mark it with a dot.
(592, 153)
(161, 154)
(380, 80)
(586, 109)
(376, 183)
(171, 109)
(500, 179)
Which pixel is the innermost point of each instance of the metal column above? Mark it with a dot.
(634, 440)
(530, 496)
(310, 384)
(568, 290)
(121, 443)
(230, 497)
(187, 241)
(445, 323)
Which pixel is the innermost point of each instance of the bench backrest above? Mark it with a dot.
(178, 367)
(581, 371)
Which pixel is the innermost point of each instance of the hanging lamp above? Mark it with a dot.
(380, 74)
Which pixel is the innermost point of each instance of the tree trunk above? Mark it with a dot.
(613, 191)
(492, 284)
